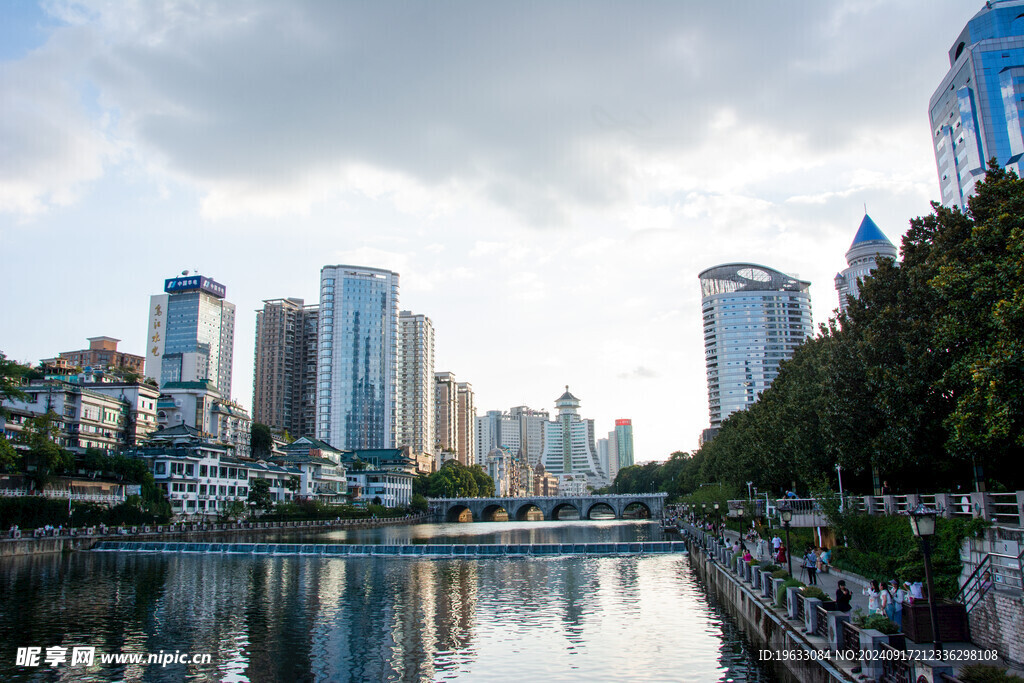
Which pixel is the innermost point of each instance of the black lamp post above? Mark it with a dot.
(922, 522)
(717, 528)
(786, 513)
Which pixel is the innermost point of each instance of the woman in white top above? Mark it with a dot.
(873, 596)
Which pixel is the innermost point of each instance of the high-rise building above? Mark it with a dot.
(284, 370)
(191, 334)
(357, 347)
(569, 450)
(414, 406)
(623, 444)
(445, 412)
(869, 244)
(532, 424)
(465, 425)
(754, 318)
(977, 112)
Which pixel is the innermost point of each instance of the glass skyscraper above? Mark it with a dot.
(754, 318)
(623, 444)
(356, 367)
(977, 112)
(191, 333)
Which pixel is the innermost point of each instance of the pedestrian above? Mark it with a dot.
(986, 582)
(776, 544)
(780, 556)
(811, 566)
(843, 597)
(916, 591)
(899, 597)
(888, 600)
(873, 596)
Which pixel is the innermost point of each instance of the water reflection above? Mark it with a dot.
(395, 619)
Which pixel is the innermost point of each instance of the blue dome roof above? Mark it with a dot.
(868, 232)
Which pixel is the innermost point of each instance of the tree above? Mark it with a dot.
(419, 502)
(44, 456)
(11, 374)
(260, 495)
(262, 441)
(9, 457)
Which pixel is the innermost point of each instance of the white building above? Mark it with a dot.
(416, 393)
(754, 318)
(109, 416)
(199, 405)
(869, 245)
(394, 489)
(357, 363)
(569, 446)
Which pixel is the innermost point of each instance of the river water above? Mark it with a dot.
(618, 618)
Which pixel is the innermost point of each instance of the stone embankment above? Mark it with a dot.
(800, 641)
(84, 539)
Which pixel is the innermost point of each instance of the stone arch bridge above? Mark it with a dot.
(651, 505)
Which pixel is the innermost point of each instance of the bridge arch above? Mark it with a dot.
(458, 513)
(601, 506)
(638, 509)
(494, 513)
(524, 510)
(557, 510)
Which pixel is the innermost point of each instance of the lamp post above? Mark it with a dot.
(786, 513)
(839, 471)
(717, 528)
(922, 523)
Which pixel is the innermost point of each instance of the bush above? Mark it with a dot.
(879, 622)
(780, 595)
(767, 566)
(814, 592)
(780, 573)
(983, 673)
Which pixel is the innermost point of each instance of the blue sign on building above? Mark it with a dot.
(194, 282)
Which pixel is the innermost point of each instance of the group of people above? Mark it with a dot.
(889, 597)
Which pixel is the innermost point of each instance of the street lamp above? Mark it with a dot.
(786, 513)
(716, 521)
(839, 471)
(922, 523)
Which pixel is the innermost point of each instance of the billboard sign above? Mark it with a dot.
(195, 282)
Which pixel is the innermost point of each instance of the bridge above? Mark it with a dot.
(649, 505)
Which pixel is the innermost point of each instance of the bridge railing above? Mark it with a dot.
(1003, 509)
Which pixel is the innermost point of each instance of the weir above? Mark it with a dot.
(417, 550)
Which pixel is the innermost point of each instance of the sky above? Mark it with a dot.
(548, 178)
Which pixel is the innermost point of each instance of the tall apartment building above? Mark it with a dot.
(532, 424)
(284, 369)
(445, 412)
(869, 244)
(977, 112)
(754, 318)
(191, 333)
(414, 407)
(101, 354)
(569, 450)
(465, 425)
(357, 364)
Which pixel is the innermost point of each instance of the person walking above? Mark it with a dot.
(811, 566)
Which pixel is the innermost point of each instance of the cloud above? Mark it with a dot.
(540, 108)
(639, 372)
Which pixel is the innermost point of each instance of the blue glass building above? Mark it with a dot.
(976, 112)
(356, 367)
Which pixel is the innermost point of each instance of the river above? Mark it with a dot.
(617, 618)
